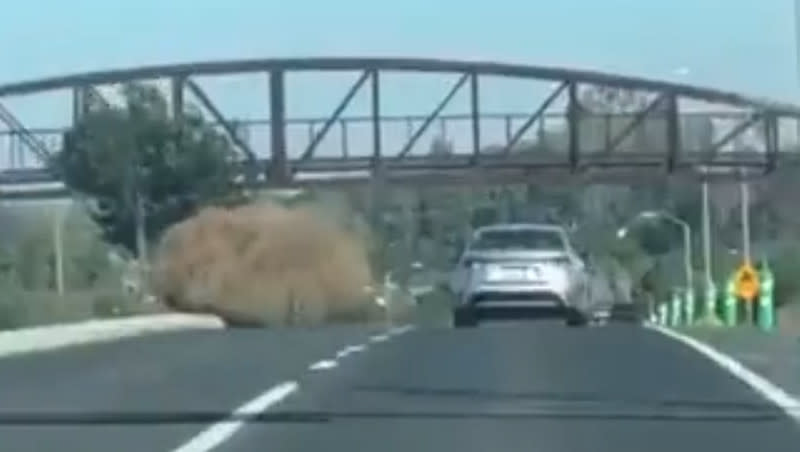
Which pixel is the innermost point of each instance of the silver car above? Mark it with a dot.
(520, 268)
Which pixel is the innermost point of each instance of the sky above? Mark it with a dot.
(741, 45)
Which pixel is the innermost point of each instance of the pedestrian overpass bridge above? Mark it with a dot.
(592, 127)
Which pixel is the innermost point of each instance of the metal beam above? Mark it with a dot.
(772, 139)
(78, 102)
(345, 142)
(392, 64)
(21, 177)
(95, 97)
(376, 117)
(176, 99)
(36, 146)
(474, 102)
(220, 118)
(317, 137)
(278, 171)
(631, 126)
(573, 129)
(673, 132)
(84, 99)
(730, 136)
(468, 176)
(454, 117)
(536, 115)
(377, 173)
(434, 114)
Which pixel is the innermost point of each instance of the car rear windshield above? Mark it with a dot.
(526, 239)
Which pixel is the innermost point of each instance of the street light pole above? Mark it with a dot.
(58, 248)
(711, 289)
(745, 190)
(687, 253)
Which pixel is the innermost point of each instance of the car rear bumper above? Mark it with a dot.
(516, 299)
(516, 304)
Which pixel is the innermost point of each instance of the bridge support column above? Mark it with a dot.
(673, 132)
(573, 126)
(378, 180)
(176, 98)
(79, 106)
(474, 101)
(278, 172)
(377, 204)
(410, 238)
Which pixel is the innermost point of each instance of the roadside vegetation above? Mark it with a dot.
(96, 283)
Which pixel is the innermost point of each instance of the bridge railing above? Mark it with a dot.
(351, 137)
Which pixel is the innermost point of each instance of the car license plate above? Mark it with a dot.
(513, 274)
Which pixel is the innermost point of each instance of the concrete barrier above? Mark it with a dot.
(51, 337)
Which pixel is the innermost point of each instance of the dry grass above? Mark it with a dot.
(263, 264)
(789, 319)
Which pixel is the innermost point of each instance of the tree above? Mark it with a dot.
(137, 153)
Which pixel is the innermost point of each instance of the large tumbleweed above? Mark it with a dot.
(263, 265)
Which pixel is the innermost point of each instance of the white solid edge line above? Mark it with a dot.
(216, 434)
(789, 404)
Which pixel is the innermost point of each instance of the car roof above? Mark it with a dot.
(520, 226)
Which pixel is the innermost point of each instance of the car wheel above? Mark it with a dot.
(624, 313)
(575, 318)
(464, 318)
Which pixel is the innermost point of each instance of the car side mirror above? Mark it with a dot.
(443, 284)
(453, 258)
(585, 259)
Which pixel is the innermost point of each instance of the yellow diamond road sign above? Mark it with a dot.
(747, 282)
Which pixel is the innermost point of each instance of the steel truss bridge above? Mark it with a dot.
(578, 142)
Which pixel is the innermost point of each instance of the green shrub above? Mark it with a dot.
(786, 268)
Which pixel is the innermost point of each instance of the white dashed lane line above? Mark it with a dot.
(220, 432)
(379, 338)
(396, 331)
(322, 365)
(357, 348)
(349, 350)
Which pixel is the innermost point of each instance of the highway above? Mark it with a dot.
(532, 386)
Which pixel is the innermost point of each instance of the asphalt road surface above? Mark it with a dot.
(520, 386)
